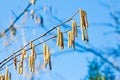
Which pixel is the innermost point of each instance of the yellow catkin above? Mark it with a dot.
(47, 59)
(82, 23)
(81, 18)
(15, 62)
(19, 68)
(69, 39)
(2, 77)
(31, 62)
(74, 29)
(44, 51)
(58, 37)
(32, 57)
(33, 68)
(83, 34)
(47, 56)
(47, 52)
(32, 46)
(6, 75)
(61, 41)
(33, 51)
(32, 2)
(23, 54)
(86, 21)
(75, 26)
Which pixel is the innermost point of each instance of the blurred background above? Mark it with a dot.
(97, 59)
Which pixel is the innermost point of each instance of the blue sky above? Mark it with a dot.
(67, 64)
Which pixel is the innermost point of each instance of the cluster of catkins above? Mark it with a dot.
(74, 33)
(84, 25)
(6, 76)
(46, 52)
(71, 36)
(32, 58)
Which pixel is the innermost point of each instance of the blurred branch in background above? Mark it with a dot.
(105, 71)
(17, 18)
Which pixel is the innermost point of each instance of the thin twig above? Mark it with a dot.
(17, 61)
(69, 19)
(17, 18)
(28, 50)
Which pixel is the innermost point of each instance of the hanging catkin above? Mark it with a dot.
(19, 68)
(23, 54)
(47, 55)
(83, 34)
(74, 29)
(15, 62)
(32, 60)
(6, 75)
(33, 51)
(2, 77)
(69, 39)
(86, 21)
(44, 51)
(81, 18)
(32, 57)
(31, 44)
(31, 63)
(84, 25)
(61, 41)
(58, 37)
